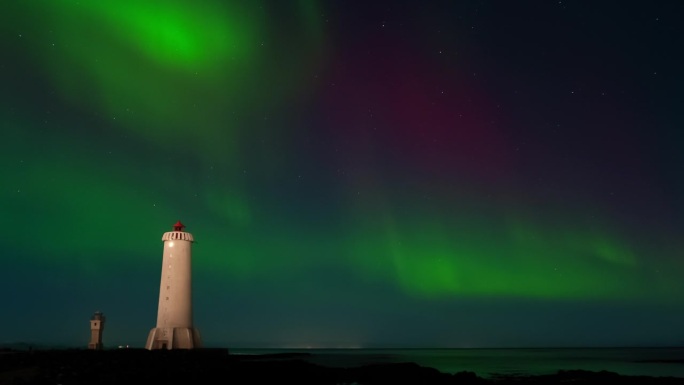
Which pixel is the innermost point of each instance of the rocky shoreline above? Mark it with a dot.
(216, 366)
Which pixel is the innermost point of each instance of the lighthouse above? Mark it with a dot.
(175, 329)
(97, 322)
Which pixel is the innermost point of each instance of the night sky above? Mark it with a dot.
(355, 173)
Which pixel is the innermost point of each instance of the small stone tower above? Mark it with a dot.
(97, 323)
(175, 329)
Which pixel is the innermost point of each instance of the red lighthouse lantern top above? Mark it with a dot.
(178, 226)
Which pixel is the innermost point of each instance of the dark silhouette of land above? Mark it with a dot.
(218, 366)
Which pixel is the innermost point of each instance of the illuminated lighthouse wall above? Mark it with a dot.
(174, 328)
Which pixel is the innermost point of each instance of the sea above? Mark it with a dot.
(491, 363)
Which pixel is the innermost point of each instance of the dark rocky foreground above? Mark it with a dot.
(217, 366)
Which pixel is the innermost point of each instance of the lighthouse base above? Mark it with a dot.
(173, 338)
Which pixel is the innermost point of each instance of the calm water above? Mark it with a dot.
(489, 362)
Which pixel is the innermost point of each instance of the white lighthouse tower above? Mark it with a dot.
(174, 316)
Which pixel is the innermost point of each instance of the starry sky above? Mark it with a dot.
(355, 173)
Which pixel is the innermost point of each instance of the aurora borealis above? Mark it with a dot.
(391, 173)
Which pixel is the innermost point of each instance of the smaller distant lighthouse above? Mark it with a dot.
(97, 322)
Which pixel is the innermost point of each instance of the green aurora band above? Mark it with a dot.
(176, 85)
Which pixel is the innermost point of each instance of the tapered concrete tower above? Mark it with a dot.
(97, 322)
(175, 329)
